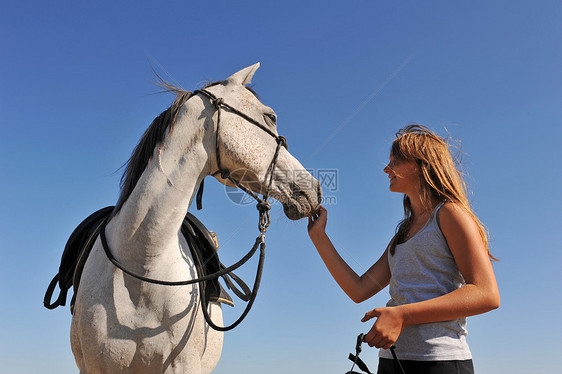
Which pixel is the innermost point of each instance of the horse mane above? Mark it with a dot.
(152, 137)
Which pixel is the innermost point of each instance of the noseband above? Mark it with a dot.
(263, 207)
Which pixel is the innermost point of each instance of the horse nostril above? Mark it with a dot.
(298, 192)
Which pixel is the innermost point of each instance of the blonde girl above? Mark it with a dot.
(437, 265)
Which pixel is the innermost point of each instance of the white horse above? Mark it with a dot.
(122, 324)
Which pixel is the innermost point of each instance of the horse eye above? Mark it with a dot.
(272, 117)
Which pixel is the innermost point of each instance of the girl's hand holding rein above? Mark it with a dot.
(388, 326)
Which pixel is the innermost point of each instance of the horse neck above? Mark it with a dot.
(150, 219)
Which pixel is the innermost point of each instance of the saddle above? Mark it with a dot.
(201, 244)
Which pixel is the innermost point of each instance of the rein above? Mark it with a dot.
(263, 207)
(361, 365)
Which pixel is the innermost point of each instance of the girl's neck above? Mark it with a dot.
(420, 209)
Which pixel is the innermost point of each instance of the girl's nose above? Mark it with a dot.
(387, 169)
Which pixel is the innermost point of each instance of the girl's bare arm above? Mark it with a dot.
(358, 288)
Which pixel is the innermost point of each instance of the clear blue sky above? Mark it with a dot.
(76, 95)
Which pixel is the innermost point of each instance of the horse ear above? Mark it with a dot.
(244, 76)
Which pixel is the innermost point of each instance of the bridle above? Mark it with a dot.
(263, 207)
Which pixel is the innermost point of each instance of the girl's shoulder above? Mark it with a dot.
(449, 207)
(452, 218)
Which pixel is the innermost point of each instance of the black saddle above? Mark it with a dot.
(201, 245)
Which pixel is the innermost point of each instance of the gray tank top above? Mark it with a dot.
(423, 268)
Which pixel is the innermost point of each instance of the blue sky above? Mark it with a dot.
(343, 77)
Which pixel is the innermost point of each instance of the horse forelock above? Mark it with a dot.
(152, 138)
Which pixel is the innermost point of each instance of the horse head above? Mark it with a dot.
(247, 145)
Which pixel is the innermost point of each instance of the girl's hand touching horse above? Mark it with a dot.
(317, 221)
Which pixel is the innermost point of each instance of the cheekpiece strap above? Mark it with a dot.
(199, 198)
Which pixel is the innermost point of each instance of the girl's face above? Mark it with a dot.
(404, 176)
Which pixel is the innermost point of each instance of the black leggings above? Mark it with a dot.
(387, 366)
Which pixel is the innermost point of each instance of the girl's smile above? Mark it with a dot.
(403, 176)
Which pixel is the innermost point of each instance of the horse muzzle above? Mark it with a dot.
(303, 202)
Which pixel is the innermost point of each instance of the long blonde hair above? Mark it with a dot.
(440, 179)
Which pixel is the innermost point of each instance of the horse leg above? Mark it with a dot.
(213, 341)
(76, 346)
